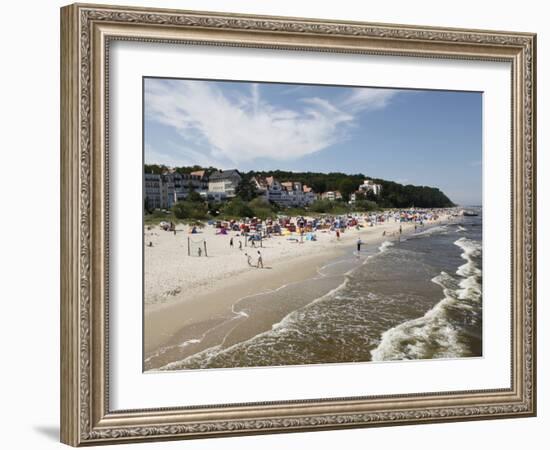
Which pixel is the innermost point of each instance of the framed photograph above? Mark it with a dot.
(279, 224)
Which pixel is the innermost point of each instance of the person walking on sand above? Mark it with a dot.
(338, 234)
(260, 261)
(241, 245)
(248, 259)
(231, 242)
(359, 242)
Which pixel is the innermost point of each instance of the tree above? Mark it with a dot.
(321, 206)
(261, 208)
(319, 185)
(237, 208)
(146, 207)
(190, 210)
(346, 187)
(246, 190)
(365, 205)
(370, 195)
(155, 168)
(194, 197)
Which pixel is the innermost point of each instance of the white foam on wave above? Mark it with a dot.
(189, 342)
(385, 245)
(470, 249)
(431, 230)
(430, 336)
(433, 335)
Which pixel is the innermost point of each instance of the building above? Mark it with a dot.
(299, 194)
(370, 186)
(287, 193)
(224, 183)
(163, 190)
(365, 188)
(310, 196)
(202, 177)
(331, 196)
(180, 185)
(271, 190)
(153, 191)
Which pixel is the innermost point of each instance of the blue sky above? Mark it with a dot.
(420, 137)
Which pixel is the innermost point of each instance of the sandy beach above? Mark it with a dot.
(190, 301)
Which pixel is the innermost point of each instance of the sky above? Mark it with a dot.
(420, 137)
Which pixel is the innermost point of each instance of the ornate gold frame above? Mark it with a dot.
(86, 31)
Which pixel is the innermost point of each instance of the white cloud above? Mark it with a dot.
(368, 99)
(237, 127)
(180, 155)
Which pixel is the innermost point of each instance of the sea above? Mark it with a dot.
(418, 296)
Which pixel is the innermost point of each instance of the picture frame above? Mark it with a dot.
(87, 32)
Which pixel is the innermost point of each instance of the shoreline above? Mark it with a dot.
(181, 329)
(218, 302)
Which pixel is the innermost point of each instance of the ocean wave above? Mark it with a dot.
(436, 334)
(471, 248)
(430, 336)
(431, 230)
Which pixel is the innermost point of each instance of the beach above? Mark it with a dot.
(195, 305)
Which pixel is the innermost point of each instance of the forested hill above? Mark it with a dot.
(392, 195)
(399, 195)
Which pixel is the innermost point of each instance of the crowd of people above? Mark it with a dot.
(250, 233)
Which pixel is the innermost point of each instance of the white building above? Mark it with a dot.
(367, 186)
(331, 195)
(224, 182)
(288, 193)
(370, 186)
